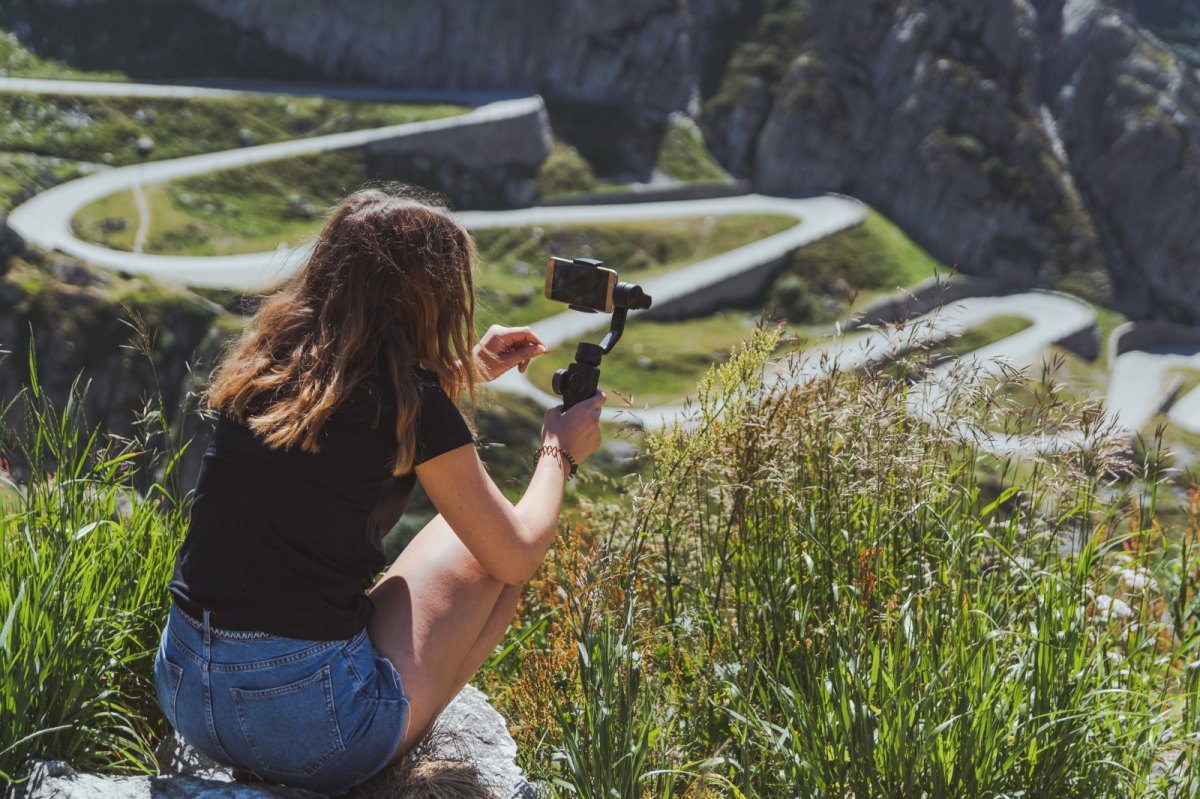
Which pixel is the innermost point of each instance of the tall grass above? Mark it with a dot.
(814, 595)
(88, 530)
(817, 596)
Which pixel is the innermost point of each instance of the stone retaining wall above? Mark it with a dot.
(476, 166)
(653, 193)
(1150, 335)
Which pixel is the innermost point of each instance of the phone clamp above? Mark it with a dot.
(581, 379)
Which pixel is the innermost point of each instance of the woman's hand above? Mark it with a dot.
(502, 348)
(576, 430)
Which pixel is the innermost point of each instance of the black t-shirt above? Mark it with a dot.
(288, 542)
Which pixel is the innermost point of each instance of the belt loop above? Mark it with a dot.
(207, 632)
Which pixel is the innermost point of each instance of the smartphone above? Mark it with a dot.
(582, 282)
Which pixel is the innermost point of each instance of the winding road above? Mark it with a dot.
(1141, 382)
(1138, 389)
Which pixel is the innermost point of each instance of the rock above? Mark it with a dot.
(469, 730)
(930, 114)
(600, 50)
(10, 244)
(1128, 112)
(1047, 142)
(246, 136)
(646, 362)
(475, 732)
(76, 320)
(51, 781)
(474, 166)
(145, 145)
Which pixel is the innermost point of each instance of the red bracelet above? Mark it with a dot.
(546, 449)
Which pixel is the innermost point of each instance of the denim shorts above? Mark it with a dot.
(322, 715)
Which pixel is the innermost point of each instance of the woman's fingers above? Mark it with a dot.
(522, 354)
(513, 336)
(502, 348)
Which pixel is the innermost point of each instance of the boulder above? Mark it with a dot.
(469, 742)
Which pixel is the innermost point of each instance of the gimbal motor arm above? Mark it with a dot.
(581, 379)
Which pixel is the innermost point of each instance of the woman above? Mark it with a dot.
(276, 657)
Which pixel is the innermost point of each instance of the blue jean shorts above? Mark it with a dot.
(322, 715)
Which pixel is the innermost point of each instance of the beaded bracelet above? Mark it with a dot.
(547, 449)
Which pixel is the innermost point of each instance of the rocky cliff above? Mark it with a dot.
(80, 324)
(1044, 141)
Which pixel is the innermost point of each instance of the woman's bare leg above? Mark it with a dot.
(492, 633)
(439, 614)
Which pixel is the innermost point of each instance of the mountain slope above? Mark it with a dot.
(1048, 142)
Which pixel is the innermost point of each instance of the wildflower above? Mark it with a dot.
(1106, 608)
(1019, 564)
(1136, 581)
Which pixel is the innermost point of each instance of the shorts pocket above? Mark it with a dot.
(292, 729)
(167, 677)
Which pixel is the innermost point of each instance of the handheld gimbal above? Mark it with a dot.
(581, 379)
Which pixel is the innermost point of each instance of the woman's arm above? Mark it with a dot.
(510, 541)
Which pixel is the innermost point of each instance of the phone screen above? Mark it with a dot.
(580, 284)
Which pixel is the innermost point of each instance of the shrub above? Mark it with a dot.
(564, 172)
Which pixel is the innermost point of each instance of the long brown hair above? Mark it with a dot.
(389, 287)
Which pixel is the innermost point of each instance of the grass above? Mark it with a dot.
(1045, 402)
(1183, 448)
(108, 129)
(255, 208)
(250, 209)
(659, 362)
(112, 220)
(995, 329)
(87, 542)
(916, 362)
(22, 175)
(19, 61)
(813, 597)
(564, 173)
(512, 260)
(683, 156)
(805, 595)
(1189, 379)
(829, 278)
